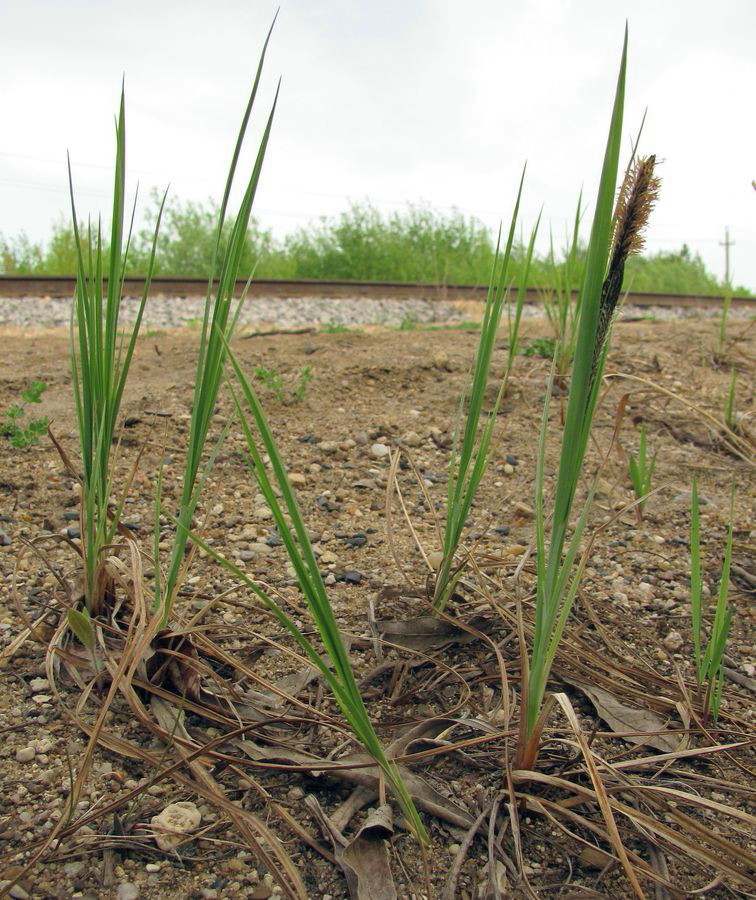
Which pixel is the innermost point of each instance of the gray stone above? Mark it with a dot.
(127, 891)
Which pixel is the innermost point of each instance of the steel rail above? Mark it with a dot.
(13, 286)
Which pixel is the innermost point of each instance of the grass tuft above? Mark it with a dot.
(101, 354)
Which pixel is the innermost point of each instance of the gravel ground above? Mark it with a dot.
(374, 390)
(171, 312)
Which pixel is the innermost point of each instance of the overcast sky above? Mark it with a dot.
(396, 101)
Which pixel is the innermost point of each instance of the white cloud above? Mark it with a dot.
(396, 101)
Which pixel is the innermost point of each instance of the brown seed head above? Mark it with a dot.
(636, 199)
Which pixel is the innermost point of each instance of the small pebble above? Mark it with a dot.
(16, 891)
(379, 451)
(127, 891)
(73, 868)
(25, 754)
(673, 641)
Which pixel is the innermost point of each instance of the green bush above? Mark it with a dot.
(362, 244)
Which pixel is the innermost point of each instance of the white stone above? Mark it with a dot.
(378, 451)
(174, 823)
(127, 891)
(673, 641)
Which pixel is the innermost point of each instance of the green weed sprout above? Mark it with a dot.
(545, 347)
(337, 672)
(730, 402)
(21, 430)
(218, 324)
(276, 384)
(613, 239)
(709, 661)
(641, 473)
(101, 354)
(470, 451)
(561, 307)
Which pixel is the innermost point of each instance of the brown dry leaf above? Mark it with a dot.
(422, 633)
(622, 718)
(364, 860)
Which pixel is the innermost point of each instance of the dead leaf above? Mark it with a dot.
(622, 718)
(422, 633)
(365, 859)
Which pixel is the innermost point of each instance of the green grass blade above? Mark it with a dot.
(696, 592)
(299, 549)
(217, 325)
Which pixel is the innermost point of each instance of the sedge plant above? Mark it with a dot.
(218, 323)
(334, 666)
(472, 443)
(613, 238)
(641, 471)
(709, 655)
(101, 354)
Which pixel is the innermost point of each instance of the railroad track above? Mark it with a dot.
(63, 286)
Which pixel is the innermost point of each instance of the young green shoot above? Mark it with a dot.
(285, 390)
(613, 238)
(709, 658)
(641, 472)
(470, 451)
(19, 427)
(101, 353)
(730, 402)
(562, 302)
(218, 324)
(545, 347)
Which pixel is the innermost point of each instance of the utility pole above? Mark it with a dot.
(727, 243)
